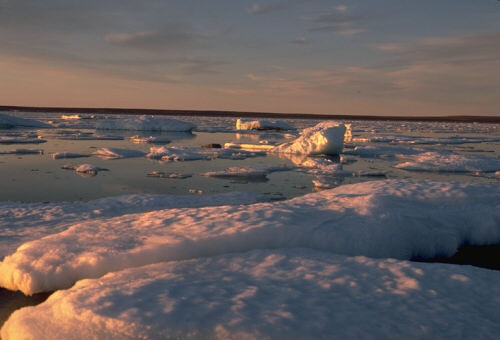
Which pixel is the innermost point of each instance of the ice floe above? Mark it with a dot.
(22, 222)
(323, 138)
(449, 162)
(244, 172)
(271, 294)
(174, 154)
(150, 140)
(21, 140)
(113, 153)
(172, 175)
(8, 122)
(391, 218)
(22, 152)
(262, 124)
(84, 169)
(144, 123)
(61, 155)
(379, 150)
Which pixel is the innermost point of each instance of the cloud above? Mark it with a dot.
(340, 21)
(268, 8)
(300, 41)
(171, 36)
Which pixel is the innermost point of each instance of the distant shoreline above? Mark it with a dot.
(239, 114)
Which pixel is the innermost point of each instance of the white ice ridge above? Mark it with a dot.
(261, 124)
(277, 294)
(8, 121)
(112, 153)
(449, 162)
(144, 123)
(23, 222)
(392, 218)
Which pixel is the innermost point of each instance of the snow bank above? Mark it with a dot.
(281, 294)
(113, 153)
(8, 122)
(324, 138)
(392, 218)
(144, 123)
(449, 162)
(261, 124)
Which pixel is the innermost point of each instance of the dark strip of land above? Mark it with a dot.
(236, 114)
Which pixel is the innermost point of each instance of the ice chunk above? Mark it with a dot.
(8, 121)
(374, 151)
(22, 152)
(324, 138)
(278, 294)
(77, 116)
(392, 218)
(172, 175)
(144, 123)
(250, 147)
(60, 155)
(20, 140)
(449, 162)
(261, 124)
(150, 140)
(84, 169)
(113, 153)
(244, 172)
(174, 154)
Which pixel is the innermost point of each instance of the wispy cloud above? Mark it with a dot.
(300, 41)
(341, 20)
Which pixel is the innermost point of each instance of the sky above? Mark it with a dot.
(359, 57)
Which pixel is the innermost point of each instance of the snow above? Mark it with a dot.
(271, 294)
(60, 155)
(144, 123)
(399, 219)
(22, 222)
(113, 153)
(261, 124)
(8, 121)
(449, 162)
(323, 138)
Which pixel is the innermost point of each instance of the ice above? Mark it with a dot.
(450, 162)
(20, 140)
(261, 124)
(174, 154)
(272, 294)
(171, 175)
(249, 147)
(377, 150)
(144, 123)
(150, 140)
(22, 222)
(113, 153)
(244, 172)
(8, 122)
(323, 138)
(77, 116)
(60, 155)
(391, 218)
(22, 152)
(84, 170)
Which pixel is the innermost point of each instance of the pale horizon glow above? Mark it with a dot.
(290, 56)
